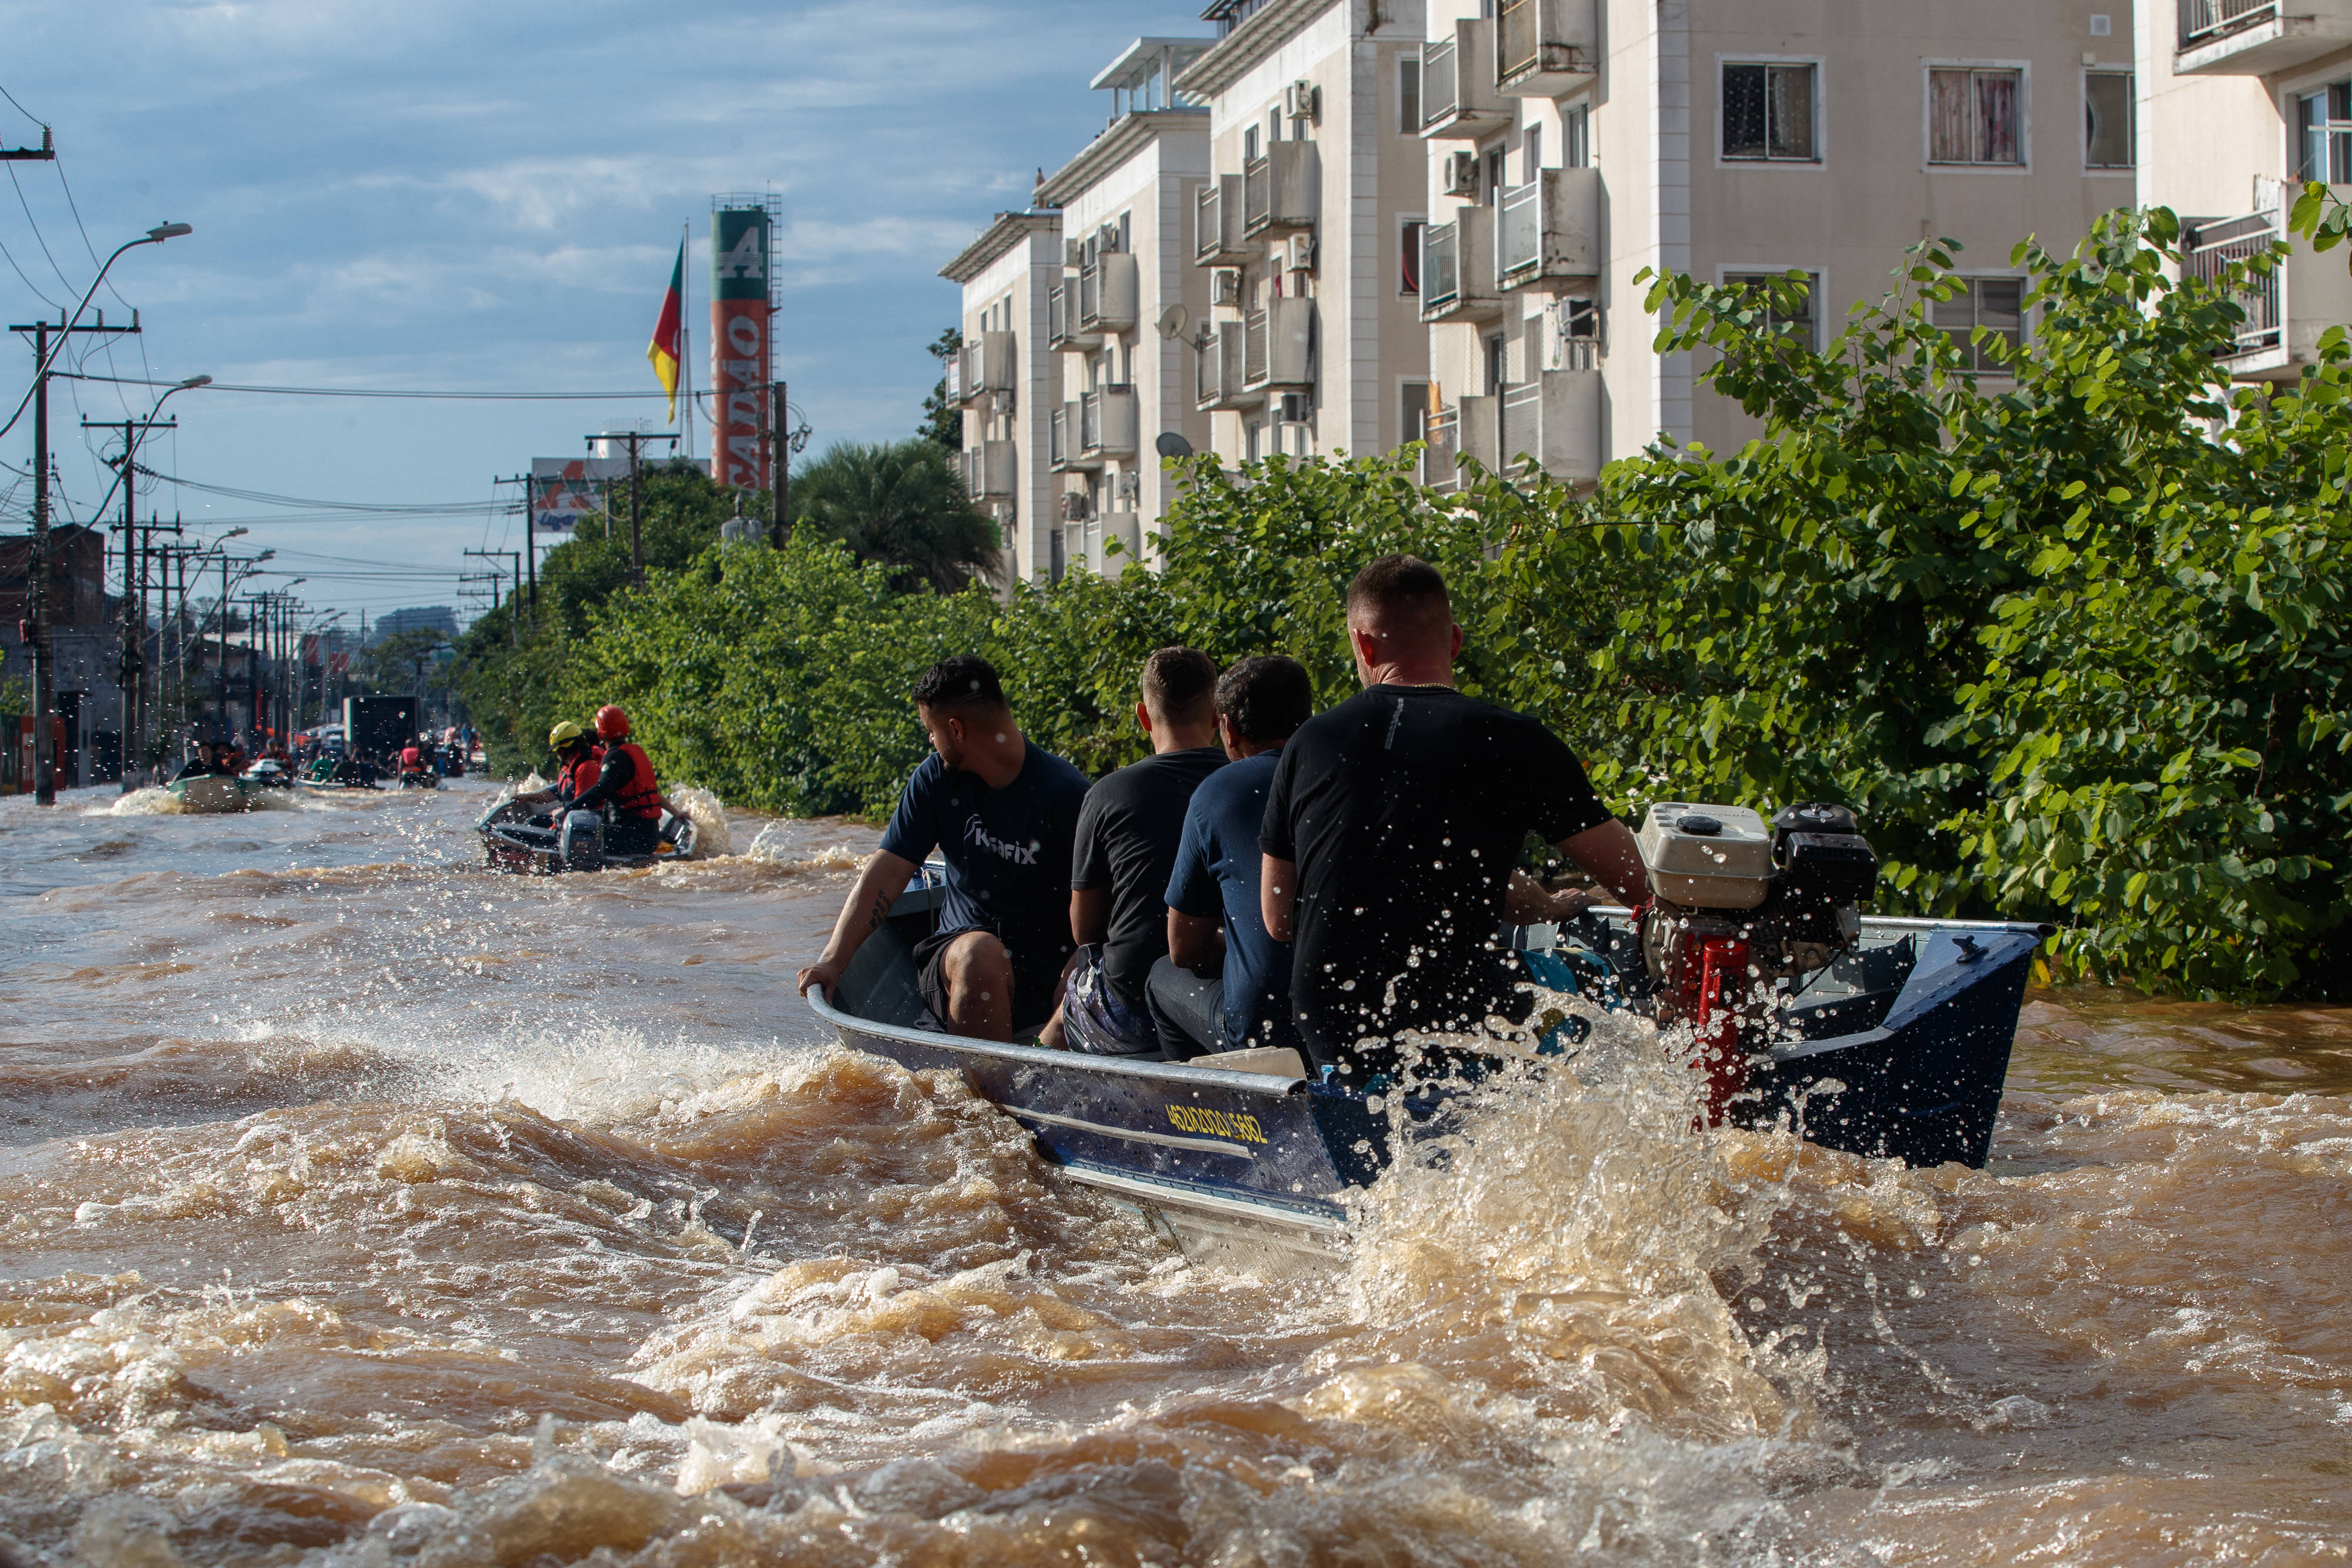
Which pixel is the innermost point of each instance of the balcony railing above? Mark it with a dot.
(987, 469)
(2210, 250)
(955, 378)
(1458, 100)
(2206, 21)
(1254, 345)
(1548, 228)
(1107, 294)
(1554, 421)
(1456, 270)
(1442, 443)
(1279, 345)
(1543, 48)
(1218, 381)
(1057, 438)
(1107, 422)
(1279, 188)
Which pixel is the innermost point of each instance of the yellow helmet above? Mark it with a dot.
(563, 735)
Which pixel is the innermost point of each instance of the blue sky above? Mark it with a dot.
(421, 193)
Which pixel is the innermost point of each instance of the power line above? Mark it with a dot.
(415, 510)
(20, 107)
(379, 392)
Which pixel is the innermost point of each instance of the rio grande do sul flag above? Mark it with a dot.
(664, 350)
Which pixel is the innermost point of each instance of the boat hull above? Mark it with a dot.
(216, 795)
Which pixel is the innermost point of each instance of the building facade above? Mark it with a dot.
(2240, 102)
(1005, 380)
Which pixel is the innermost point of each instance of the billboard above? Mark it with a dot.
(565, 489)
(740, 351)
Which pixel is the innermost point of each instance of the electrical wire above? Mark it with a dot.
(37, 236)
(404, 393)
(21, 109)
(415, 510)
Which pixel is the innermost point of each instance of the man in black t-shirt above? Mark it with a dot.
(1128, 833)
(1000, 812)
(1393, 828)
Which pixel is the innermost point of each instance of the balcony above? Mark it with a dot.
(1544, 47)
(1108, 294)
(2258, 37)
(1554, 421)
(1217, 237)
(988, 471)
(1457, 270)
(1281, 189)
(953, 388)
(1108, 418)
(1061, 334)
(1466, 429)
(986, 367)
(1278, 346)
(1065, 439)
(1088, 544)
(1458, 100)
(1217, 380)
(1549, 229)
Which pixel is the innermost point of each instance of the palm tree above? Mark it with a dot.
(903, 504)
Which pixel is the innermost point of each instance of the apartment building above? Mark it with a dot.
(2240, 101)
(1119, 313)
(1314, 343)
(1007, 382)
(1575, 142)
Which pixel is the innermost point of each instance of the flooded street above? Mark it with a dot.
(360, 1206)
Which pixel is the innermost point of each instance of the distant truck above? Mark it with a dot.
(379, 726)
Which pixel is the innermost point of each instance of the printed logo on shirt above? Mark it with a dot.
(978, 836)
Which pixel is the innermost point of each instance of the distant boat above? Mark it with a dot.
(1897, 1050)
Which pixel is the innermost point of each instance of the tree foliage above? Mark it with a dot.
(942, 424)
(901, 504)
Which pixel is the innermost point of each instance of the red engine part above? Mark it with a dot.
(1712, 979)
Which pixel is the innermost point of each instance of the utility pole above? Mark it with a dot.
(36, 629)
(636, 532)
(529, 540)
(514, 636)
(46, 152)
(133, 665)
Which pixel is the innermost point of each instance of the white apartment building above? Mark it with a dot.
(1118, 311)
(2239, 101)
(1575, 142)
(1313, 344)
(1008, 383)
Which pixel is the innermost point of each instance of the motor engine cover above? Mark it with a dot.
(1707, 857)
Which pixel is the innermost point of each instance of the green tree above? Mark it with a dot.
(942, 424)
(903, 505)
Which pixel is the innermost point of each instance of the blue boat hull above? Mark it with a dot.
(1257, 1167)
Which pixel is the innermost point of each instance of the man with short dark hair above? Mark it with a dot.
(1225, 984)
(1126, 844)
(1394, 826)
(1002, 813)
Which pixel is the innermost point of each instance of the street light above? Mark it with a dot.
(132, 681)
(155, 236)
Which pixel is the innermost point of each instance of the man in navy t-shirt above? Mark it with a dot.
(1001, 813)
(1225, 984)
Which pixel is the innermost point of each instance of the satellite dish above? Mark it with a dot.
(1174, 320)
(1170, 444)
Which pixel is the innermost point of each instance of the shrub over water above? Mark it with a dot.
(2062, 621)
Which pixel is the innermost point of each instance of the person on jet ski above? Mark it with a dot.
(625, 788)
(202, 765)
(577, 760)
(412, 760)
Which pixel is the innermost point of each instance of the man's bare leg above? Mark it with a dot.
(978, 974)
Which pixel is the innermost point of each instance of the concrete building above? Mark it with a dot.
(2239, 101)
(1007, 382)
(1575, 142)
(1306, 228)
(1119, 315)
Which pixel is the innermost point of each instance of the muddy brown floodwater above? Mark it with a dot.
(359, 1207)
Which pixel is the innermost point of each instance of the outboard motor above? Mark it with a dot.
(1737, 905)
(581, 845)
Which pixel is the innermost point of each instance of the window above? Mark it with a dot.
(1498, 363)
(1409, 235)
(1408, 95)
(1249, 143)
(1576, 138)
(1532, 151)
(1576, 335)
(1974, 115)
(1255, 447)
(1996, 303)
(1768, 112)
(1493, 183)
(1413, 422)
(1784, 316)
(2324, 119)
(2107, 109)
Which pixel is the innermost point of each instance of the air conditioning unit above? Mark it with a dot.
(1076, 508)
(1461, 173)
(1291, 409)
(1301, 100)
(1225, 286)
(1301, 248)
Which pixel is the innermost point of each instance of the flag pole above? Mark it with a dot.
(685, 352)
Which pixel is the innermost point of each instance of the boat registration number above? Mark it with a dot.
(1217, 1124)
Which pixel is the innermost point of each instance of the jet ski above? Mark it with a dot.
(419, 778)
(518, 836)
(270, 774)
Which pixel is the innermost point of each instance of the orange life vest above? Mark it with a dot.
(411, 758)
(641, 797)
(577, 777)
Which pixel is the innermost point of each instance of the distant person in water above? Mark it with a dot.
(1225, 984)
(1003, 813)
(1126, 846)
(1393, 828)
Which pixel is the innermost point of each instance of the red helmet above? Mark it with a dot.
(610, 722)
